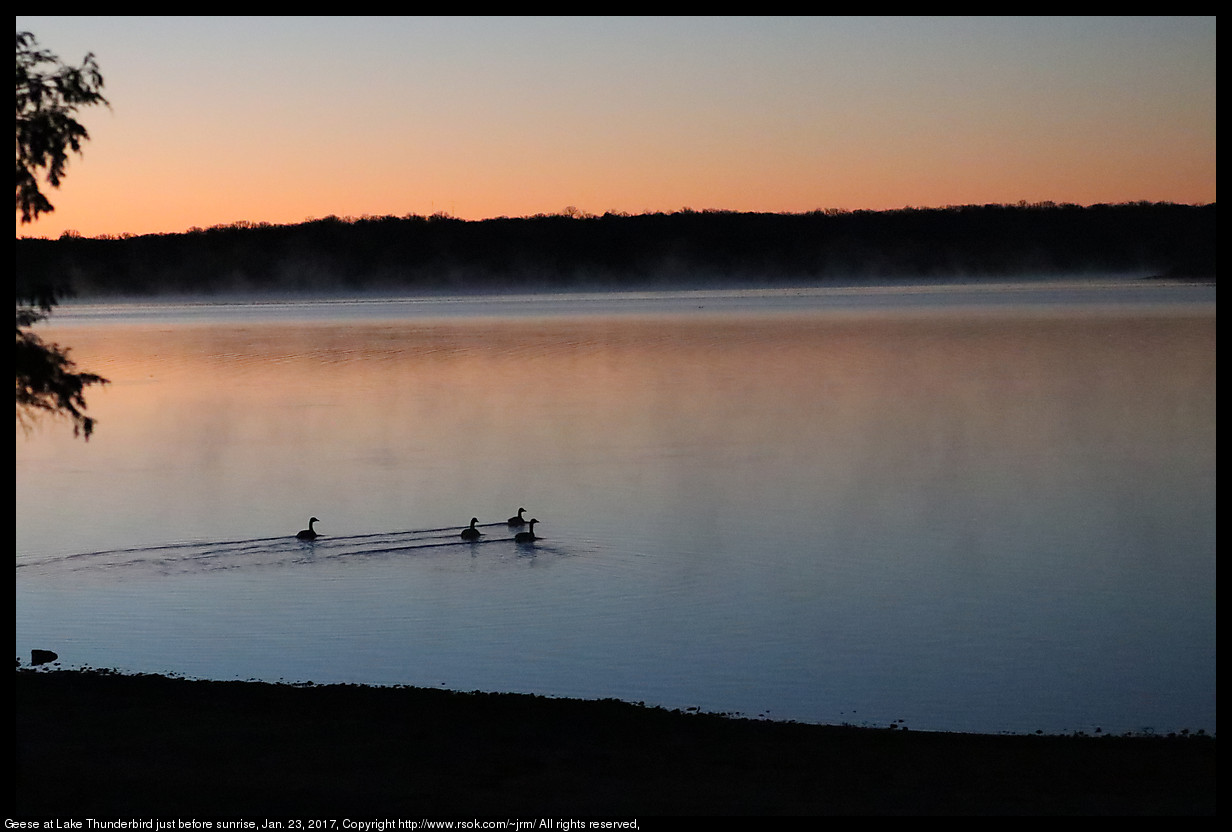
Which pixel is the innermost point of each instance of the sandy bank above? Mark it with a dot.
(98, 745)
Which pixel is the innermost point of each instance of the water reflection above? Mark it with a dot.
(988, 522)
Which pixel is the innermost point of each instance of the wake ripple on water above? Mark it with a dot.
(209, 556)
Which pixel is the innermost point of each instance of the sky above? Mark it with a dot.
(218, 120)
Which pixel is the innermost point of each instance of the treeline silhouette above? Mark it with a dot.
(574, 249)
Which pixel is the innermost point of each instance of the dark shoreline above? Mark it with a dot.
(99, 744)
(583, 252)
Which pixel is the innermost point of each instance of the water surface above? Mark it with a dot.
(961, 508)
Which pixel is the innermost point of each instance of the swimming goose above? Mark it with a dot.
(471, 533)
(527, 537)
(519, 520)
(309, 533)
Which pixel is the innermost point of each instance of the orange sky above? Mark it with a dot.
(217, 120)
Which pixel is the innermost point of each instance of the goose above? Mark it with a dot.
(527, 537)
(471, 533)
(519, 520)
(309, 533)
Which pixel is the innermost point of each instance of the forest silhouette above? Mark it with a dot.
(575, 250)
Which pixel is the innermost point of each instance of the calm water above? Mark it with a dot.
(963, 508)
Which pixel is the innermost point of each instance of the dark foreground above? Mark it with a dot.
(101, 745)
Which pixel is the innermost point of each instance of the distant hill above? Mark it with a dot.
(578, 250)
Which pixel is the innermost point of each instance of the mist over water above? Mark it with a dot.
(966, 508)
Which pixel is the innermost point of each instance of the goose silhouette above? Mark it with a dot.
(527, 536)
(309, 533)
(519, 520)
(471, 533)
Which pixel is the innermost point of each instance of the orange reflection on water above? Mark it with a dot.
(462, 417)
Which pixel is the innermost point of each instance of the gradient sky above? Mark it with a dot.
(276, 119)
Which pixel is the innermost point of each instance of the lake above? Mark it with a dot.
(955, 508)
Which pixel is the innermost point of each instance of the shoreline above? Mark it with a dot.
(96, 743)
